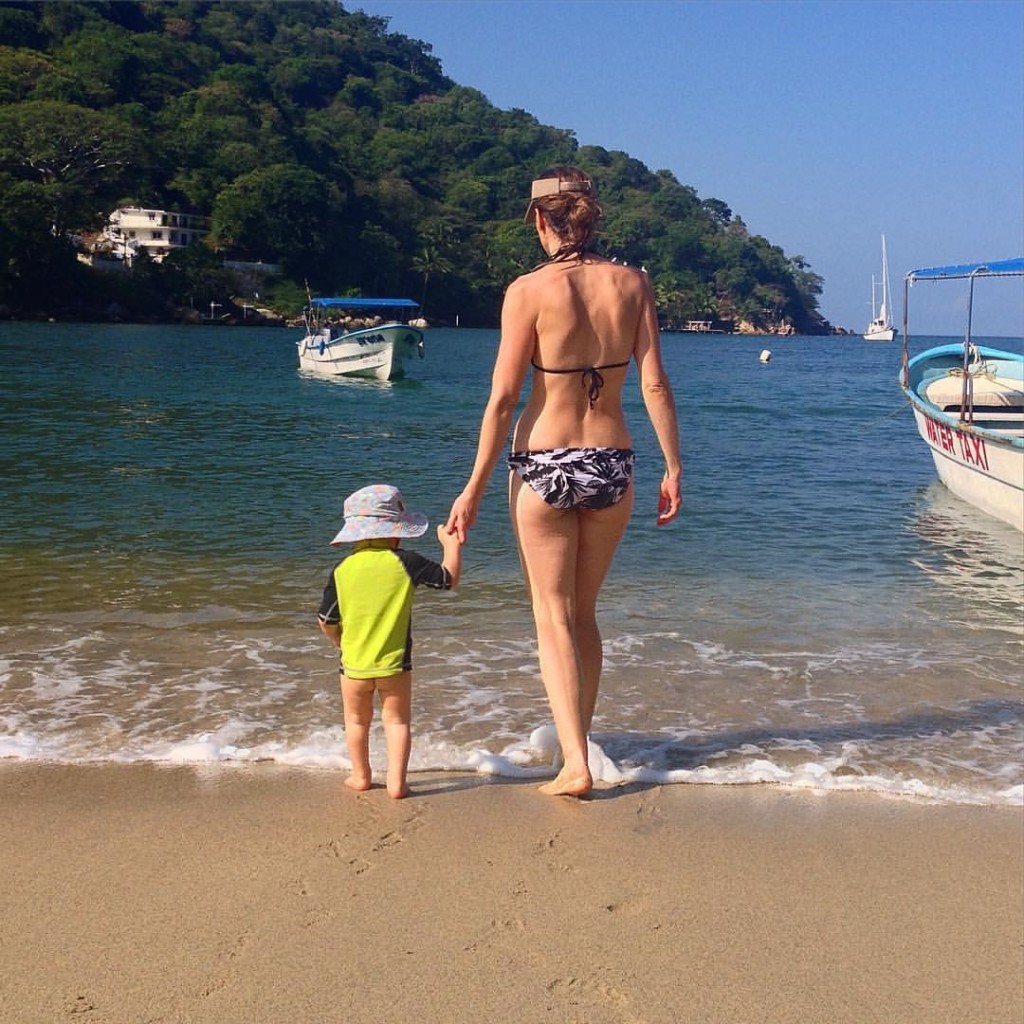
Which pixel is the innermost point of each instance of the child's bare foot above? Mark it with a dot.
(360, 783)
(566, 783)
(398, 788)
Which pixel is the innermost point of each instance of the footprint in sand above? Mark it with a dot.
(313, 914)
(649, 815)
(634, 904)
(412, 823)
(549, 845)
(582, 991)
(317, 916)
(333, 847)
(554, 845)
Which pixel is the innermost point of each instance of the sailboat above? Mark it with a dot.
(881, 327)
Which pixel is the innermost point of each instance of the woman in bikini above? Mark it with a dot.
(577, 320)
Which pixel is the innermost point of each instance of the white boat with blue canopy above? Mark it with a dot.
(336, 344)
(968, 403)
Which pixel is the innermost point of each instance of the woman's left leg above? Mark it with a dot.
(599, 534)
(548, 540)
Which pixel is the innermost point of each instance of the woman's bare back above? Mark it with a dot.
(587, 316)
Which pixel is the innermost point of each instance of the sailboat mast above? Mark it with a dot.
(883, 312)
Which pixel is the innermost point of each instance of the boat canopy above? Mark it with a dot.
(354, 303)
(958, 272)
(995, 268)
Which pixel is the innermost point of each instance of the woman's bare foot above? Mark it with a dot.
(360, 783)
(398, 791)
(569, 783)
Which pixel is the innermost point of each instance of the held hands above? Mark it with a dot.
(670, 499)
(447, 538)
(461, 517)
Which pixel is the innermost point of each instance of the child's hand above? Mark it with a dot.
(447, 538)
(451, 545)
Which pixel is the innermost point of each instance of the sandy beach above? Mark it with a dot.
(168, 895)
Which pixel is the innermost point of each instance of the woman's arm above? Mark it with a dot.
(661, 408)
(518, 339)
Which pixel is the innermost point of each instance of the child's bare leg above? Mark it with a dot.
(357, 701)
(396, 713)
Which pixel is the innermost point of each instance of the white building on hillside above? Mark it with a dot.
(132, 229)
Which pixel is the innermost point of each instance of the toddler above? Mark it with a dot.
(366, 612)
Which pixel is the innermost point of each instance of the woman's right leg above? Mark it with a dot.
(547, 539)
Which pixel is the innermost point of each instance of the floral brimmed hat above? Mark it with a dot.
(378, 511)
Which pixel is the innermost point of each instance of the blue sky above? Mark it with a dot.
(822, 123)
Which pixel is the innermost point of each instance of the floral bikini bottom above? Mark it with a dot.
(576, 478)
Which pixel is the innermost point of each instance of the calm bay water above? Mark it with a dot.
(823, 614)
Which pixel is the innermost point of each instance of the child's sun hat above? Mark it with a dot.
(378, 511)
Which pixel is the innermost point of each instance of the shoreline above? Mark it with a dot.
(270, 894)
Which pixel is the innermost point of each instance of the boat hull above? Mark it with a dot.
(374, 353)
(982, 464)
(880, 334)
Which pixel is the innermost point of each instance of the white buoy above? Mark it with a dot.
(766, 354)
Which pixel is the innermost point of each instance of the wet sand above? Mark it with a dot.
(159, 895)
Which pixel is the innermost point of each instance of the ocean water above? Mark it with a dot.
(823, 614)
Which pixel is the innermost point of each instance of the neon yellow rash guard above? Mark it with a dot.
(370, 594)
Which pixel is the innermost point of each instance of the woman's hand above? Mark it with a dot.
(462, 516)
(670, 499)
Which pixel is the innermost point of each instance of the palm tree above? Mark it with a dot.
(429, 261)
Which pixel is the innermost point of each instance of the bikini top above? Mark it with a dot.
(590, 378)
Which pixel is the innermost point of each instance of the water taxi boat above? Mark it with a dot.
(335, 344)
(968, 403)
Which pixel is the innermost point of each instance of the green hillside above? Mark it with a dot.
(313, 137)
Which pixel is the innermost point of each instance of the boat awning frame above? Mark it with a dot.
(360, 303)
(960, 271)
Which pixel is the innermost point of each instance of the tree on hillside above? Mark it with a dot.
(314, 137)
(78, 160)
(285, 214)
(431, 259)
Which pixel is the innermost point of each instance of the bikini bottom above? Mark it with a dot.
(576, 478)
